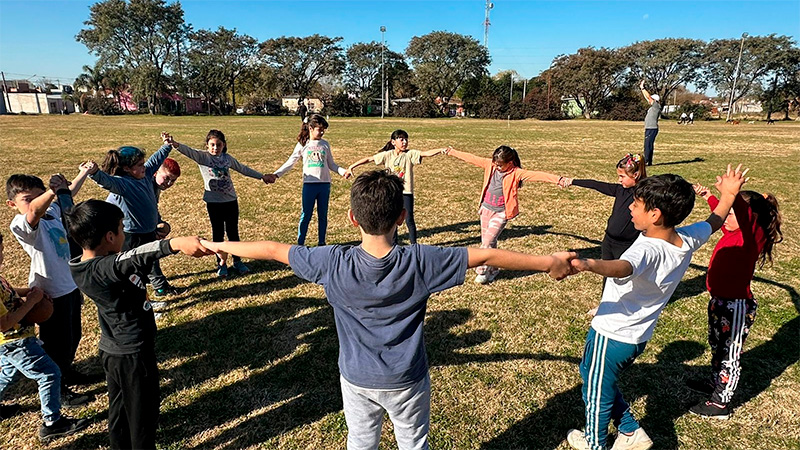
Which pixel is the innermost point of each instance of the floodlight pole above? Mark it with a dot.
(383, 72)
(511, 91)
(735, 77)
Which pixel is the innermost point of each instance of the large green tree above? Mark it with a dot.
(301, 62)
(362, 74)
(665, 64)
(443, 61)
(140, 36)
(589, 76)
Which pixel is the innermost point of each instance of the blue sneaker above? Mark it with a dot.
(222, 271)
(241, 268)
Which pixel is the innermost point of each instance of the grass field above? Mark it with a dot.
(251, 362)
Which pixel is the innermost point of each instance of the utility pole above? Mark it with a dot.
(524, 88)
(383, 72)
(486, 23)
(511, 91)
(5, 89)
(735, 76)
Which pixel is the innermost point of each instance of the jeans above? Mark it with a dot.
(61, 333)
(321, 194)
(649, 143)
(492, 224)
(603, 361)
(408, 204)
(27, 357)
(409, 410)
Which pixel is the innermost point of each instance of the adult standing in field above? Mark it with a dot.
(302, 110)
(650, 123)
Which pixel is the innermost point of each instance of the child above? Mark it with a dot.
(379, 294)
(639, 286)
(39, 229)
(128, 177)
(317, 165)
(127, 324)
(396, 157)
(165, 178)
(220, 196)
(502, 177)
(620, 232)
(748, 236)
(20, 352)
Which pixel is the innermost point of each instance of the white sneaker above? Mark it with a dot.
(481, 279)
(577, 440)
(639, 440)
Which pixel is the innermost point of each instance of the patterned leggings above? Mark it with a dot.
(729, 323)
(492, 224)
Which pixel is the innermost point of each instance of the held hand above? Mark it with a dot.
(269, 178)
(189, 245)
(560, 267)
(86, 167)
(701, 190)
(58, 181)
(35, 295)
(91, 167)
(731, 181)
(168, 139)
(446, 150)
(348, 174)
(564, 182)
(162, 230)
(213, 247)
(579, 265)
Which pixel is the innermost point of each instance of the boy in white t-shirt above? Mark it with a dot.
(639, 285)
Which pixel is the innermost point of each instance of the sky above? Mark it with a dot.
(37, 37)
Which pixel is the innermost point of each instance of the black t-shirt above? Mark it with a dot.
(619, 225)
(116, 283)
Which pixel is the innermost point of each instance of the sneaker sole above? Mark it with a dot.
(715, 417)
(46, 439)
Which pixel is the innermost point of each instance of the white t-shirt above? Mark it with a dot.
(48, 248)
(317, 162)
(630, 306)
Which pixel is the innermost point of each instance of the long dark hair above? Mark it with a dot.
(219, 135)
(768, 217)
(314, 120)
(396, 134)
(505, 154)
(116, 161)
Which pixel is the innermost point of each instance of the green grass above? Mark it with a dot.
(251, 362)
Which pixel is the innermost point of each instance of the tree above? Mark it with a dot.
(362, 74)
(228, 52)
(762, 57)
(589, 76)
(300, 62)
(443, 61)
(782, 83)
(140, 36)
(665, 64)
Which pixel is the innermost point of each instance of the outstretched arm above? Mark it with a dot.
(469, 157)
(434, 152)
(615, 268)
(83, 172)
(38, 206)
(729, 185)
(360, 162)
(645, 93)
(271, 250)
(557, 265)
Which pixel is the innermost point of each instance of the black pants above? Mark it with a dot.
(155, 275)
(649, 143)
(61, 333)
(133, 399)
(611, 248)
(408, 204)
(224, 220)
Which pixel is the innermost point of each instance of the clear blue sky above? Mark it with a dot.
(37, 38)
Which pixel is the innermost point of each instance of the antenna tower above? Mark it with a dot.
(486, 23)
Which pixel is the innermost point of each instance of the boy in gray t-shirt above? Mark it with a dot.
(379, 294)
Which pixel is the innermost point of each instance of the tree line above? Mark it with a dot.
(145, 48)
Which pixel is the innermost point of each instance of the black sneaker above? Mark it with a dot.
(71, 399)
(64, 426)
(6, 411)
(75, 378)
(703, 386)
(711, 410)
(168, 291)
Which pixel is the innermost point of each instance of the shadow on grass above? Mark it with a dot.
(685, 161)
(511, 232)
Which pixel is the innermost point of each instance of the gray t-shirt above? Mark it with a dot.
(493, 199)
(379, 305)
(651, 119)
(216, 173)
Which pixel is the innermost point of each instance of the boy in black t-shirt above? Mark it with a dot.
(116, 283)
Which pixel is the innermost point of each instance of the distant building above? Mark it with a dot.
(291, 102)
(22, 97)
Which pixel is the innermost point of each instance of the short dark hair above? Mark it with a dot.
(90, 220)
(20, 182)
(376, 200)
(671, 194)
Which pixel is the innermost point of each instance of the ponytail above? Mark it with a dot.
(768, 217)
(314, 120)
(633, 164)
(116, 161)
(396, 134)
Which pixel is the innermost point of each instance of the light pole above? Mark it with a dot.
(383, 72)
(735, 76)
